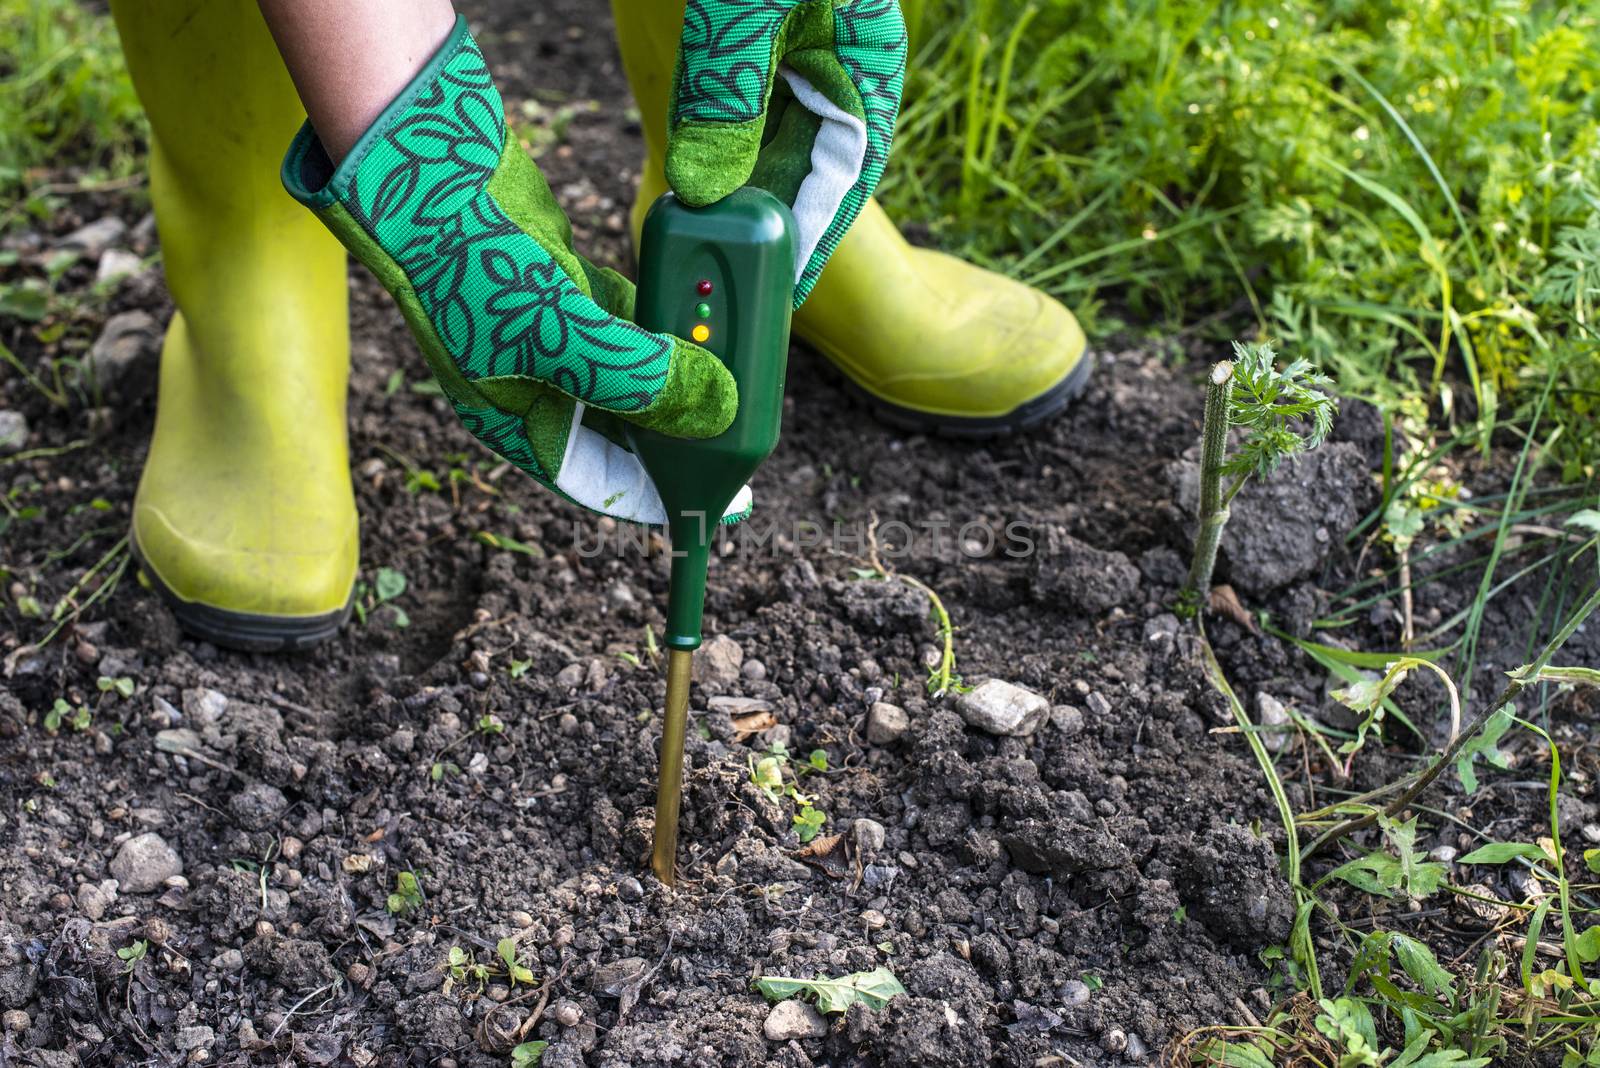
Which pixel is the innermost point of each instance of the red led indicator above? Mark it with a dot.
(704, 287)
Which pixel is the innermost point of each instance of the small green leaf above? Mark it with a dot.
(519, 668)
(818, 759)
(388, 584)
(528, 1054)
(1500, 852)
(873, 989)
(808, 822)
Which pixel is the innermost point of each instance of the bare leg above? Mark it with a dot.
(350, 58)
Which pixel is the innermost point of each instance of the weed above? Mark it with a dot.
(387, 584)
(132, 955)
(1282, 413)
(63, 713)
(528, 1054)
(769, 776)
(407, 896)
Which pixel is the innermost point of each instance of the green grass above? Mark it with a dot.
(1406, 193)
(65, 99)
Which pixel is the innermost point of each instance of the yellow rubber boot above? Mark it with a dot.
(934, 343)
(245, 519)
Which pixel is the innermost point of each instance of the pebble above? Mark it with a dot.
(92, 239)
(754, 670)
(522, 920)
(13, 431)
(868, 836)
(1136, 1052)
(1272, 715)
(193, 1038)
(718, 663)
(1068, 719)
(886, 723)
(1074, 992)
(204, 707)
(1443, 854)
(629, 888)
(360, 974)
(229, 960)
(15, 1020)
(94, 900)
(128, 340)
(571, 676)
(874, 919)
(792, 1019)
(568, 723)
(1098, 705)
(566, 1013)
(998, 707)
(1591, 833)
(738, 706)
(145, 863)
(115, 265)
(1115, 1040)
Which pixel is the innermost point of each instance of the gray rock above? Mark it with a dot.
(754, 670)
(115, 265)
(998, 707)
(868, 836)
(1283, 529)
(92, 239)
(886, 723)
(125, 350)
(718, 662)
(204, 707)
(1074, 992)
(1273, 717)
(1068, 719)
(193, 1038)
(145, 863)
(629, 888)
(13, 431)
(1444, 854)
(738, 706)
(258, 806)
(571, 676)
(1099, 705)
(790, 1020)
(1137, 1052)
(229, 960)
(95, 898)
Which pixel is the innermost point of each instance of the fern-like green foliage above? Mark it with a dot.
(1284, 412)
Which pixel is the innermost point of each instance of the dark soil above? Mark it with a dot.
(1083, 895)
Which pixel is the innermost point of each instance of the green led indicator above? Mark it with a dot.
(704, 311)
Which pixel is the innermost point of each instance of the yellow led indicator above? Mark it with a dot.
(702, 333)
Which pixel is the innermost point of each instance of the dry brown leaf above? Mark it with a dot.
(827, 852)
(1225, 601)
(751, 723)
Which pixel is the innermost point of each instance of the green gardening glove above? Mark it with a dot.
(798, 97)
(531, 342)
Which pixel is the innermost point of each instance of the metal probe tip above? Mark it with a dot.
(663, 858)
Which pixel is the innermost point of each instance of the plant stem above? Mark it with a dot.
(1521, 679)
(1213, 504)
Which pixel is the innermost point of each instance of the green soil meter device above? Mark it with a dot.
(721, 276)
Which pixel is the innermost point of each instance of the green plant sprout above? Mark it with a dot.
(387, 584)
(407, 896)
(64, 714)
(768, 776)
(132, 955)
(1282, 413)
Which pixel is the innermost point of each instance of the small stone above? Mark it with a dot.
(15, 1021)
(868, 836)
(291, 847)
(115, 265)
(1591, 833)
(1115, 1040)
(94, 900)
(790, 1020)
(1273, 718)
(204, 707)
(874, 919)
(568, 724)
(145, 863)
(629, 888)
(886, 723)
(13, 431)
(738, 706)
(1074, 992)
(1136, 1052)
(92, 239)
(522, 920)
(1099, 707)
(998, 707)
(157, 931)
(1443, 854)
(194, 1038)
(718, 663)
(229, 960)
(754, 670)
(566, 1013)
(129, 341)
(1068, 719)
(571, 676)
(258, 806)
(360, 974)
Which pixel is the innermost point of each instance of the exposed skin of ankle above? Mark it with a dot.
(350, 58)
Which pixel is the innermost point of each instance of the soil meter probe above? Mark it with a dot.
(723, 277)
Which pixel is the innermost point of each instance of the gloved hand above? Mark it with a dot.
(798, 97)
(530, 342)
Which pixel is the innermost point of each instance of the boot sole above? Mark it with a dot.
(1024, 417)
(246, 631)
